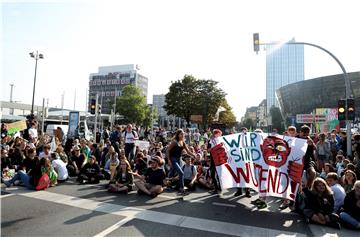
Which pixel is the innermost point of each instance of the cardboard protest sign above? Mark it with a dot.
(270, 164)
(16, 126)
(142, 144)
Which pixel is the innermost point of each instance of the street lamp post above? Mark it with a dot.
(348, 93)
(36, 56)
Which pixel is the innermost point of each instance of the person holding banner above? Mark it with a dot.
(212, 143)
(173, 154)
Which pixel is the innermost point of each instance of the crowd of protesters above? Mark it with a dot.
(329, 193)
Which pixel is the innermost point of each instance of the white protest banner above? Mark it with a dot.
(269, 164)
(142, 144)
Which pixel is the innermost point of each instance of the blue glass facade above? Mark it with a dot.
(284, 65)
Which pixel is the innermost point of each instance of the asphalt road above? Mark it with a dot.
(89, 210)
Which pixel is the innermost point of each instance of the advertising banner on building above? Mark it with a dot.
(74, 118)
(269, 164)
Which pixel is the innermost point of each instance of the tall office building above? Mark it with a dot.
(159, 103)
(109, 82)
(284, 65)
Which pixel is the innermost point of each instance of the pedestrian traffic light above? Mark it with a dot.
(256, 42)
(93, 106)
(99, 109)
(342, 110)
(350, 109)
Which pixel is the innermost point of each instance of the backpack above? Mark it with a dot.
(192, 169)
(132, 131)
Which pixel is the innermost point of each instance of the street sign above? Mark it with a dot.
(304, 118)
(196, 118)
(310, 118)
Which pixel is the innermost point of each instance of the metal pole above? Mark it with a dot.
(96, 114)
(32, 103)
(11, 98)
(74, 99)
(43, 116)
(62, 107)
(348, 93)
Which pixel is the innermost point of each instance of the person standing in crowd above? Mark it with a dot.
(323, 152)
(196, 137)
(351, 213)
(213, 142)
(174, 152)
(152, 181)
(130, 136)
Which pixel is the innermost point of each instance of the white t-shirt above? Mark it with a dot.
(33, 133)
(339, 196)
(60, 168)
(196, 136)
(43, 155)
(130, 138)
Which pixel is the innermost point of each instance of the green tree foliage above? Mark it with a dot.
(227, 117)
(277, 120)
(248, 123)
(191, 96)
(181, 98)
(132, 105)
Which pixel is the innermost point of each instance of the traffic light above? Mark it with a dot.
(350, 109)
(93, 106)
(256, 42)
(342, 110)
(99, 109)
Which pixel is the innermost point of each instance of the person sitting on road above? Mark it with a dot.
(140, 163)
(111, 163)
(204, 176)
(76, 162)
(190, 173)
(60, 168)
(320, 204)
(337, 189)
(152, 181)
(348, 180)
(90, 172)
(124, 179)
(351, 213)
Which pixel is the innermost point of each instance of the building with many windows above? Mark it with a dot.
(109, 82)
(284, 65)
(159, 103)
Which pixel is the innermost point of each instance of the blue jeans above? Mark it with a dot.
(24, 177)
(176, 167)
(349, 219)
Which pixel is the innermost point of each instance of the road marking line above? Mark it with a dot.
(160, 217)
(168, 197)
(223, 204)
(201, 199)
(114, 227)
(6, 195)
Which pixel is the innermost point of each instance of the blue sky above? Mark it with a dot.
(208, 39)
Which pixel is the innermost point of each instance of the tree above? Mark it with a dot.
(248, 123)
(132, 105)
(191, 96)
(209, 99)
(277, 120)
(227, 117)
(181, 98)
